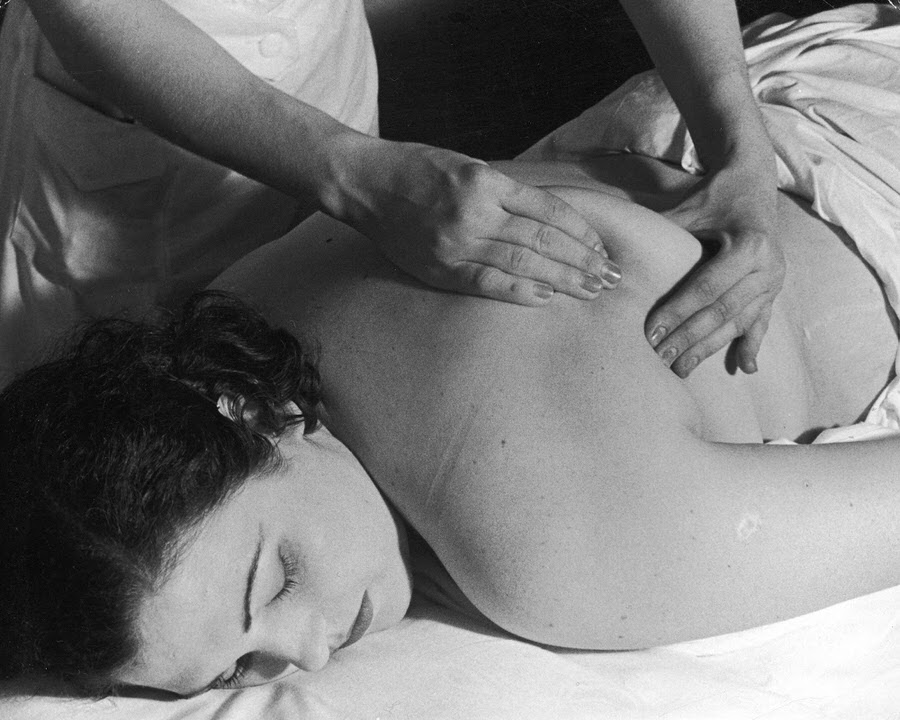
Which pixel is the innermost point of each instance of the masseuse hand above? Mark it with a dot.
(731, 295)
(456, 224)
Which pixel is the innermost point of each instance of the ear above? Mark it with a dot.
(236, 409)
(228, 405)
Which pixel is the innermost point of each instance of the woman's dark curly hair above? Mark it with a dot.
(110, 453)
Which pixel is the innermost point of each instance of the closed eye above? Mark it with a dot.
(291, 571)
(241, 667)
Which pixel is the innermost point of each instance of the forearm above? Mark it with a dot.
(696, 47)
(157, 66)
(443, 217)
(802, 527)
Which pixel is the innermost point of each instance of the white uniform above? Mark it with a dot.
(98, 214)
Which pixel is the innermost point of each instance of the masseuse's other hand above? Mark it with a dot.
(456, 224)
(731, 295)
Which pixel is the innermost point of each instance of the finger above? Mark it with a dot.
(547, 209)
(543, 253)
(488, 281)
(722, 284)
(748, 346)
(525, 264)
(700, 307)
(690, 358)
(711, 328)
(699, 293)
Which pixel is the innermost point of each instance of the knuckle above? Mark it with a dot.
(688, 335)
(555, 210)
(487, 279)
(518, 259)
(707, 347)
(719, 311)
(447, 249)
(543, 240)
(476, 175)
(706, 290)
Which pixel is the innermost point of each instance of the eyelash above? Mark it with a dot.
(289, 564)
(234, 680)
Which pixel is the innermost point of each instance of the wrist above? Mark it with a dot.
(347, 155)
(725, 120)
(737, 142)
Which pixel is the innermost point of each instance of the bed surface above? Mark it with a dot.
(842, 662)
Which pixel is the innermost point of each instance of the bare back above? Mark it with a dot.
(539, 451)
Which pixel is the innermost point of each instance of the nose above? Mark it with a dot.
(303, 645)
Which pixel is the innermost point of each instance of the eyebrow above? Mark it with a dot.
(251, 576)
(248, 619)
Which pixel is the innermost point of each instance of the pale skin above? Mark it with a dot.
(279, 575)
(696, 47)
(448, 219)
(577, 491)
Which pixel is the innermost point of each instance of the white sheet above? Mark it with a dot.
(842, 662)
(839, 663)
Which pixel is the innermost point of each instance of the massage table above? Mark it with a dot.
(825, 85)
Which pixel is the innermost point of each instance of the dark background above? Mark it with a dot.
(490, 77)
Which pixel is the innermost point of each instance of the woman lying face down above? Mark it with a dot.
(174, 512)
(576, 490)
(297, 564)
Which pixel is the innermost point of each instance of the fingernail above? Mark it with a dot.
(601, 248)
(669, 355)
(611, 273)
(543, 291)
(690, 364)
(659, 332)
(592, 283)
(750, 367)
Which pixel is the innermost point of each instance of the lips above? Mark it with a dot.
(362, 622)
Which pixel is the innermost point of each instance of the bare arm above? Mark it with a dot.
(447, 219)
(725, 537)
(152, 62)
(697, 49)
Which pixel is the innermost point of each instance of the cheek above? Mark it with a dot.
(336, 516)
(345, 540)
(177, 643)
(345, 498)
